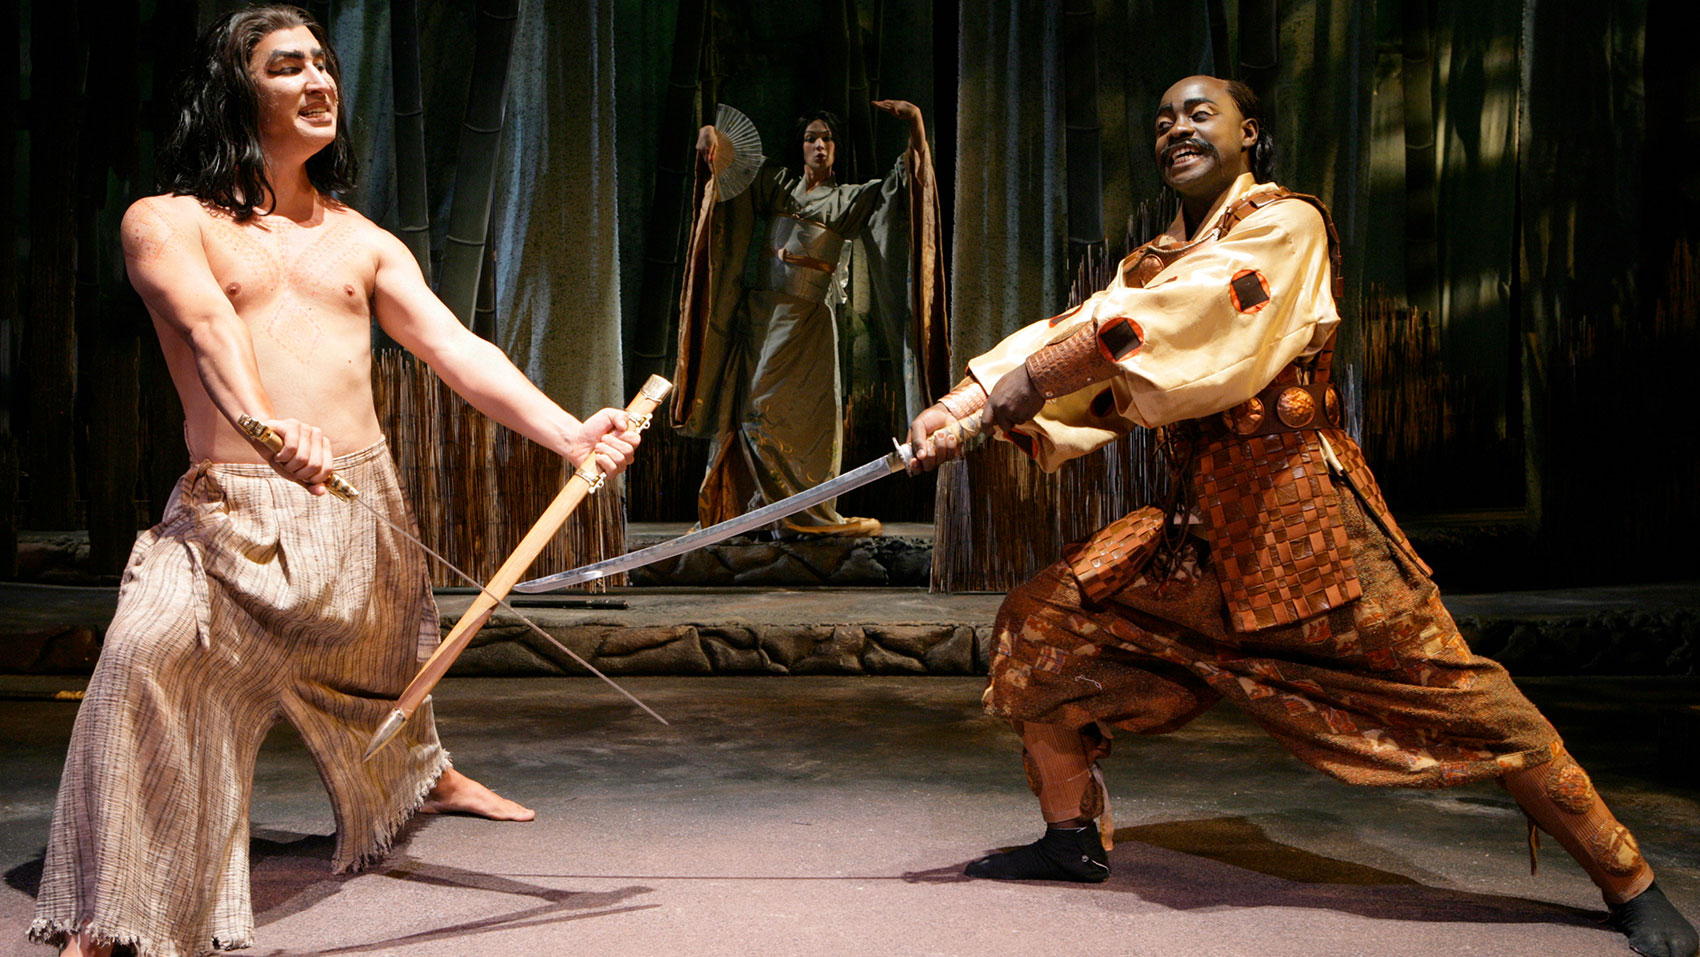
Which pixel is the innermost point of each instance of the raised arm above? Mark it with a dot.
(711, 145)
(480, 373)
(911, 114)
(167, 264)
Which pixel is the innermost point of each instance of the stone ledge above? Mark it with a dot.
(899, 558)
(817, 631)
(1645, 629)
(1612, 630)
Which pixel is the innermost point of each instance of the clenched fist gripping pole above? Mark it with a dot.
(586, 480)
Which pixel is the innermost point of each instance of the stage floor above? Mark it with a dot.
(833, 816)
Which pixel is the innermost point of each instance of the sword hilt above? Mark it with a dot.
(959, 429)
(266, 436)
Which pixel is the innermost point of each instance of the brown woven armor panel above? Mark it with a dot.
(1363, 482)
(1113, 556)
(1070, 365)
(1261, 480)
(1275, 532)
(963, 401)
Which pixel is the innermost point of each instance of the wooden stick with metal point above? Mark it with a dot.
(587, 479)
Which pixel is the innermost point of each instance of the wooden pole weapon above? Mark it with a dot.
(586, 480)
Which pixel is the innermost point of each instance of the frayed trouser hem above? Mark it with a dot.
(56, 933)
(399, 815)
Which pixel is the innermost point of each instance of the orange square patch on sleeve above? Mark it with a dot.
(1249, 290)
(1120, 338)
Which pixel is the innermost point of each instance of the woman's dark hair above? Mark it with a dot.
(214, 152)
(1263, 151)
(832, 122)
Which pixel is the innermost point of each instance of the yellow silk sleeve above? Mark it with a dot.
(1208, 332)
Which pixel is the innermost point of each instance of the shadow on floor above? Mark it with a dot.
(291, 873)
(26, 877)
(1230, 862)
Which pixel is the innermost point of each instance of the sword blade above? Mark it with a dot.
(873, 471)
(500, 603)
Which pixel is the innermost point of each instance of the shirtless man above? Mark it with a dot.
(261, 287)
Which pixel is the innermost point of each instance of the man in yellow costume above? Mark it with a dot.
(1277, 579)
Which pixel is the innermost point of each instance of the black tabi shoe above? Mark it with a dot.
(1653, 926)
(1063, 854)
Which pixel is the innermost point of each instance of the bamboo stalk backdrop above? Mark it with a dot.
(1637, 472)
(476, 487)
(464, 253)
(858, 160)
(9, 464)
(413, 217)
(1562, 297)
(665, 216)
(50, 339)
(1083, 132)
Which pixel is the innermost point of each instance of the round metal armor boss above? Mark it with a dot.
(1245, 418)
(1331, 405)
(1296, 407)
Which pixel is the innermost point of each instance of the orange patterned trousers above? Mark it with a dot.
(1380, 691)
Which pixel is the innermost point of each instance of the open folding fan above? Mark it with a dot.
(735, 173)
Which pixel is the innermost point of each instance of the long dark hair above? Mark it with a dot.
(214, 152)
(1263, 151)
(832, 122)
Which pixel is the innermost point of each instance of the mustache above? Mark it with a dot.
(1201, 145)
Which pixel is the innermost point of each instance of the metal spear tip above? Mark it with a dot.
(385, 732)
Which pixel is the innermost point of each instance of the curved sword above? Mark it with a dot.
(873, 471)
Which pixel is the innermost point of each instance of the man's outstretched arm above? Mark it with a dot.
(168, 267)
(479, 372)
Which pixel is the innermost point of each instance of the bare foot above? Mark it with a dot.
(79, 945)
(456, 793)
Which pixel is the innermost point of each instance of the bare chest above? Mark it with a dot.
(305, 291)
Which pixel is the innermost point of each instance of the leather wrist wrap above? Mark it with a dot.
(1070, 365)
(967, 398)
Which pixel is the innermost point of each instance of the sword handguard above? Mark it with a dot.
(639, 415)
(263, 434)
